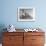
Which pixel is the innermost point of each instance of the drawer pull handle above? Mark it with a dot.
(33, 39)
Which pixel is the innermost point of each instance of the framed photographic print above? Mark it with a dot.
(26, 14)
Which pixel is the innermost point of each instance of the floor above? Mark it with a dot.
(0, 44)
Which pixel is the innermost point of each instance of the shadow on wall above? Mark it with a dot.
(2, 26)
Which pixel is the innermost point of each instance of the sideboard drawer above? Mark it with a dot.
(13, 33)
(34, 33)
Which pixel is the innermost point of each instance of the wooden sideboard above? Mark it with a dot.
(23, 39)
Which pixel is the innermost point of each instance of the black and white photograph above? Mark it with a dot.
(26, 14)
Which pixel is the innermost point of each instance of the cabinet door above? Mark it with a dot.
(33, 39)
(13, 40)
(27, 40)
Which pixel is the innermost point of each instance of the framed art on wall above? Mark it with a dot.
(26, 14)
